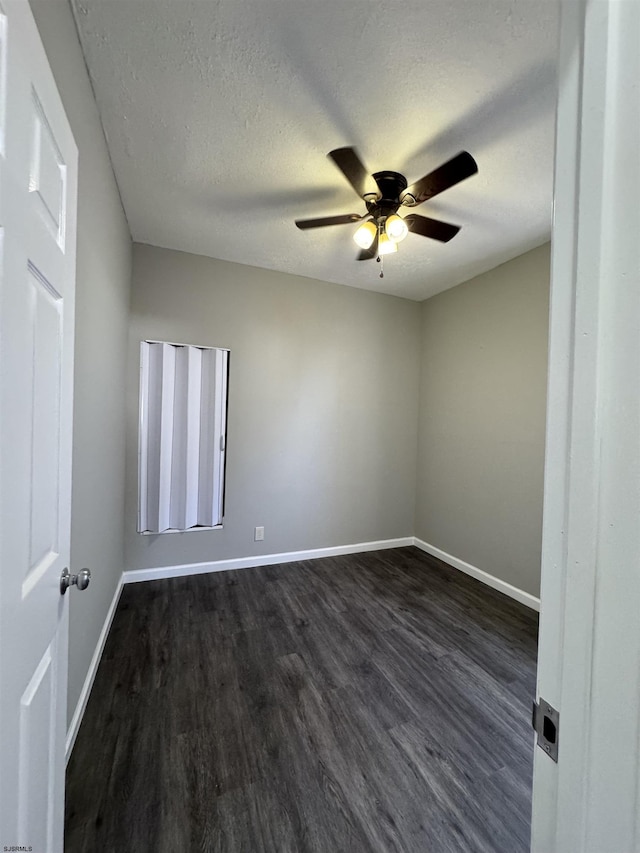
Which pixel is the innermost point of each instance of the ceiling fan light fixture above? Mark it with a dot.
(385, 245)
(366, 234)
(396, 228)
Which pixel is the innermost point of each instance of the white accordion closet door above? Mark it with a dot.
(183, 413)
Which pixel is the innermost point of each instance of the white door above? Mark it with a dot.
(589, 658)
(38, 187)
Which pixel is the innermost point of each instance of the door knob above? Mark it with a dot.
(81, 580)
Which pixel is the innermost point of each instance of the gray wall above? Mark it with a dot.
(482, 419)
(323, 411)
(102, 306)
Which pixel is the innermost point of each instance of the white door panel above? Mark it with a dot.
(36, 757)
(38, 184)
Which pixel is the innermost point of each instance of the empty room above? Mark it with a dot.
(319, 416)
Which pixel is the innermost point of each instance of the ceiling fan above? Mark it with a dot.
(385, 195)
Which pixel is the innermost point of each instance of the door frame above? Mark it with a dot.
(590, 593)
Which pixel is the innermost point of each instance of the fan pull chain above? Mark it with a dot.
(381, 262)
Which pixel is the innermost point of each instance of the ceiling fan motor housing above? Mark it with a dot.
(391, 185)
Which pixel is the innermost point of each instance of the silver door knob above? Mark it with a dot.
(81, 580)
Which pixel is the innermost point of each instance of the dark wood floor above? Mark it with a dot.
(376, 702)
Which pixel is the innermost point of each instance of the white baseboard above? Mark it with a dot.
(496, 583)
(74, 725)
(136, 575)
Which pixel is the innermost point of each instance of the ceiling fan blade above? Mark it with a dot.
(342, 219)
(354, 170)
(433, 228)
(457, 169)
(370, 253)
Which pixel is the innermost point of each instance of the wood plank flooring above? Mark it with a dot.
(373, 702)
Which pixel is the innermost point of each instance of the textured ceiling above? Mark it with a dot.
(219, 115)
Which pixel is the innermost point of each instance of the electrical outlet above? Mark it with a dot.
(258, 535)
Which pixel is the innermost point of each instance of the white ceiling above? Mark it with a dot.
(219, 115)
